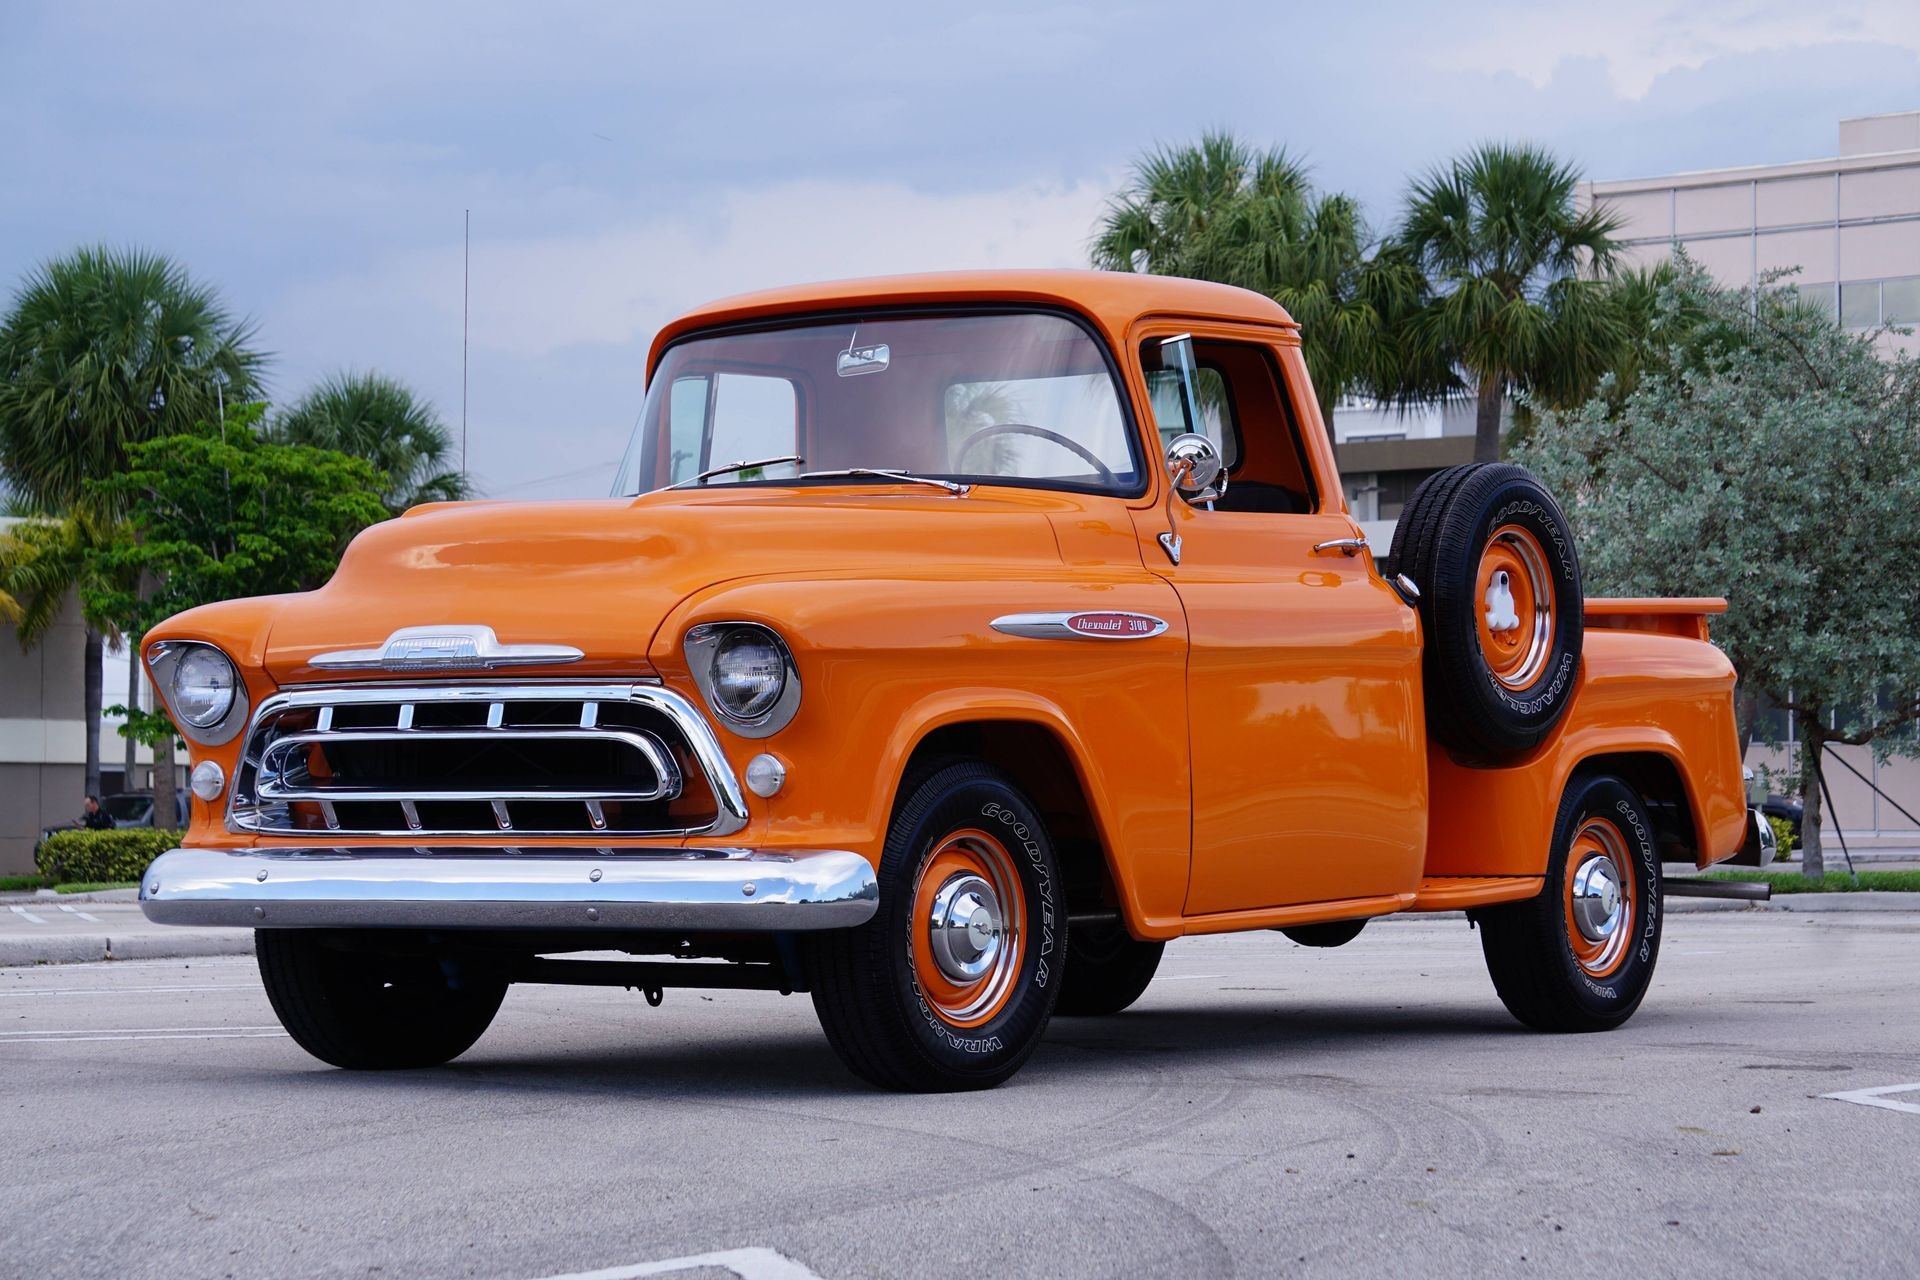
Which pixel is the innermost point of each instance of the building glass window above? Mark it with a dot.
(1819, 296)
(1860, 304)
(1900, 301)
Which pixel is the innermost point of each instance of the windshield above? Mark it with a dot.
(1020, 399)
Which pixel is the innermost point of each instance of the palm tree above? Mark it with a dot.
(102, 349)
(106, 348)
(1518, 272)
(372, 416)
(1222, 210)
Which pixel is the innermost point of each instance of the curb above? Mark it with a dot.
(80, 948)
(1810, 903)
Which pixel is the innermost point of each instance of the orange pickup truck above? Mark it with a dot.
(949, 644)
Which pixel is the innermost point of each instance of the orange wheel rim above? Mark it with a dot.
(1513, 601)
(967, 934)
(1601, 905)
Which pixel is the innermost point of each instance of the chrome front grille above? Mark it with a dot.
(483, 760)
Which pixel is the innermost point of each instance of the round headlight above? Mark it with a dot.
(202, 687)
(749, 674)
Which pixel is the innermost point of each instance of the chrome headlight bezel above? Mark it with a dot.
(702, 646)
(163, 664)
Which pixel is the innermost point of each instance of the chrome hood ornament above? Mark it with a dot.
(445, 648)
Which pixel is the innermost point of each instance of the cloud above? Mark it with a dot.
(549, 312)
(1641, 40)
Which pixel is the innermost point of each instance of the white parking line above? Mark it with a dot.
(122, 991)
(123, 1031)
(22, 911)
(88, 1039)
(1878, 1098)
(1190, 977)
(748, 1264)
(75, 911)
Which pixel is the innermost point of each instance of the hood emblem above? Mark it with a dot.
(1094, 624)
(445, 648)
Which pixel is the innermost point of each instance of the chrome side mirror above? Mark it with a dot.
(1193, 462)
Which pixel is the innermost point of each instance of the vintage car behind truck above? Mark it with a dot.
(950, 644)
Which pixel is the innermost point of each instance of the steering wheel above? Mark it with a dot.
(1027, 429)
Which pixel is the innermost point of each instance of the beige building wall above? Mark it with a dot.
(1849, 226)
(43, 746)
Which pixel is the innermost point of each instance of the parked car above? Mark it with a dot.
(949, 645)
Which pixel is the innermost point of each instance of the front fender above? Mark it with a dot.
(884, 663)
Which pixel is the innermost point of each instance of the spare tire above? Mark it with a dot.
(1500, 603)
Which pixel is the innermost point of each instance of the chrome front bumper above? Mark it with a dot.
(464, 888)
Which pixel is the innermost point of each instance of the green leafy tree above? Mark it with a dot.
(1520, 301)
(1767, 457)
(219, 512)
(99, 351)
(1222, 210)
(371, 416)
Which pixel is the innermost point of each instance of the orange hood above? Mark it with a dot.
(602, 576)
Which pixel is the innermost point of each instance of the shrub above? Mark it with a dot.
(1782, 836)
(121, 854)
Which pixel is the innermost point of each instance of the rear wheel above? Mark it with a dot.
(951, 983)
(1107, 970)
(368, 1011)
(1579, 956)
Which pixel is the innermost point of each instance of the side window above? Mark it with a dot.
(1170, 407)
(714, 419)
(1244, 409)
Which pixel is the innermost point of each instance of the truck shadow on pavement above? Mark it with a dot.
(631, 1060)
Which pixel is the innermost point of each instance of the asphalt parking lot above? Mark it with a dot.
(1265, 1108)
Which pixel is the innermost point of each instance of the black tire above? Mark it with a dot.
(1107, 970)
(1531, 946)
(367, 1011)
(1337, 933)
(1496, 693)
(889, 1026)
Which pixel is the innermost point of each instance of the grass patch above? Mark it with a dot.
(23, 884)
(1832, 882)
(95, 886)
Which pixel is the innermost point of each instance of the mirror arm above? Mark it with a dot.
(1178, 473)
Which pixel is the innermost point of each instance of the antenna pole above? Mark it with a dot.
(466, 266)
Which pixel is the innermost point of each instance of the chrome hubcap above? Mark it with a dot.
(965, 930)
(1598, 900)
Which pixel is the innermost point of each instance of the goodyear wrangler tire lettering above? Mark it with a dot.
(1580, 955)
(950, 984)
(1501, 605)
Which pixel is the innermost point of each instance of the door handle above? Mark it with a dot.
(1345, 546)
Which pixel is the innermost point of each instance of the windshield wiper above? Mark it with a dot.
(732, 467)
(889, 473)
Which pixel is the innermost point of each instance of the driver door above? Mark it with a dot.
(1307, 737)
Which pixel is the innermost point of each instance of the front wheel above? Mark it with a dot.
(1579, 956)
(951, 983)
(368, 1011)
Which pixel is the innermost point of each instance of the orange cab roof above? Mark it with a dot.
(1112, 299)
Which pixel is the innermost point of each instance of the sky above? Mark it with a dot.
(622, 162)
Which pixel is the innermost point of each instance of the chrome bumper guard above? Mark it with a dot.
(559, 888)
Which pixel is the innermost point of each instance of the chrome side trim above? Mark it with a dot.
(507, 888)
(1086, 624)
(448, 647)
(730, 800)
